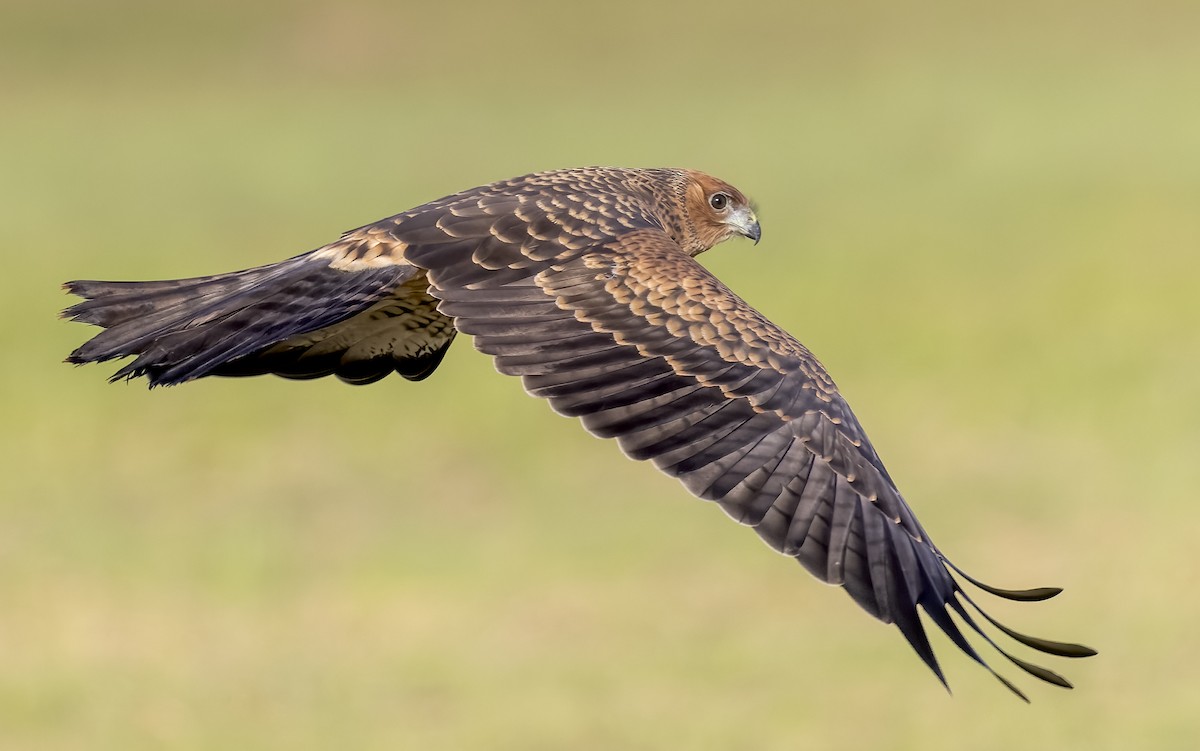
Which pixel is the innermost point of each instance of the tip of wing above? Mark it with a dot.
(1046, 646)
(1049, 646)
(923, 582)
(1037, 594)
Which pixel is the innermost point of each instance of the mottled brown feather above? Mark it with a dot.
(584, 283)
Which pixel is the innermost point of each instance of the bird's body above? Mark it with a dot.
(584, 283)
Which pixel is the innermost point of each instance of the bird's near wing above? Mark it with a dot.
(644, 345)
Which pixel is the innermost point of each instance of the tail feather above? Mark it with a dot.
(134, 314)
(183, 329)
(112, 303)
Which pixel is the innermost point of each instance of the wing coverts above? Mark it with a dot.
(584, 284)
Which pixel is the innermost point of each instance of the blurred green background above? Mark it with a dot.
(983, 217)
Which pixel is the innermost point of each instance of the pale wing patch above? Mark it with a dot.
(362, 250)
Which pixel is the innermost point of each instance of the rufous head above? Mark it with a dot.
(718, 211)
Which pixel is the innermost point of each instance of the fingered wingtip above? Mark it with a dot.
(1037, 594)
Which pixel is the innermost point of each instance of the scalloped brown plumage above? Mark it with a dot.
(584, 283)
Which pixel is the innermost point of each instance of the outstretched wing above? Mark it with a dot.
(570, 280)
(644, 345)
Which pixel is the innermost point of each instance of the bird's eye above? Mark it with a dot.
(719, 201)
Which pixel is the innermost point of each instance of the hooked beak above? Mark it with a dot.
(746, 224)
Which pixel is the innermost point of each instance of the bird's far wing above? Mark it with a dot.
(357, 308)
(306, 317)
(644, 345)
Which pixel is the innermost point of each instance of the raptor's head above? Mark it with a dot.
(718, 211)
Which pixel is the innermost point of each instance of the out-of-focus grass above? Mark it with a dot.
(983, 219)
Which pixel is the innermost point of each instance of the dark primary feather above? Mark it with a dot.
(776, 447)
(582, 283)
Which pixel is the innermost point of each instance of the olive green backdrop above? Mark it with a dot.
(983, 217)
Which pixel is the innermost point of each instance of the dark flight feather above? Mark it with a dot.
(584, 284)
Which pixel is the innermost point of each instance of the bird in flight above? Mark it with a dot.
(584, 282)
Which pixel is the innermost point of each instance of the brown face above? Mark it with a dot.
(719, 211)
